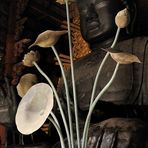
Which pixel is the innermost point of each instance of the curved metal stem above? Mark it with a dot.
(72, 75)
(98, 74)
(58, 101)
(55, 119)
(67, 92)
(102, 64)
(94, 104)
(97, 77)
(59, 132)
(116, 38)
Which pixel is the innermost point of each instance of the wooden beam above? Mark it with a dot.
(38, 12)
(50, 7)
(53, 15)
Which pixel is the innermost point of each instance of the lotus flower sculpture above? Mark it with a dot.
(29, 106)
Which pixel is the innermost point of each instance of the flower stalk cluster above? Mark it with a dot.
(48, 39)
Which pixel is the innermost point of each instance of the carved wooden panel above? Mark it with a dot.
(80, 47)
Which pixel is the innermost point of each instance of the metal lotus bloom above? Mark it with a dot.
(122, 18)
(29, 58)
(32, 114)
(124, 58)
(26, 81)
(34, 108)
(48, 38)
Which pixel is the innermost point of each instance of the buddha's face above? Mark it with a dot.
(97, 18)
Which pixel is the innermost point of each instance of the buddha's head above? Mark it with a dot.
(97, 18)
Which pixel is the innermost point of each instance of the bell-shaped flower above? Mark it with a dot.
(29, 58)
(48, 38)
(26, 81)
(122, 18)
(34, 108)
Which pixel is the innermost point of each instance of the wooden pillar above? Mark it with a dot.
(2, 136)
(10, 39)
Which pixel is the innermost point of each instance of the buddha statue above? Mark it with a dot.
(127, 97)
(97, 24)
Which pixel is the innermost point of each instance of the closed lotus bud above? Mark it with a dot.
(29, 58)
(26, 81)
(63, 1)
(48, 38)
(124, 58)
(122, 18)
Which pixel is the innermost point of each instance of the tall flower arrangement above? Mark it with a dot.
(48, 39)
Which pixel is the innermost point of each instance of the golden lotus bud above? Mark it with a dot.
(124, 58)
(26, 81)
(63, 1)
(29, 58)
(48, 38)
(122, 18)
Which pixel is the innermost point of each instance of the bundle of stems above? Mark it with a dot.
(79, 142)
(53, 119)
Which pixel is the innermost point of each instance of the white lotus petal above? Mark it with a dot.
(34, 108)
